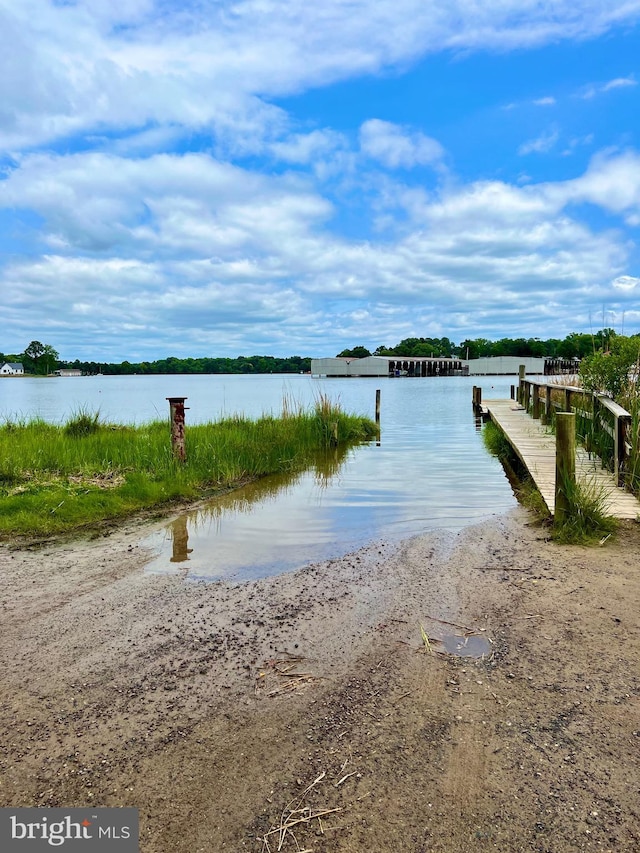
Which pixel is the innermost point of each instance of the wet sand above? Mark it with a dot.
(212, 708)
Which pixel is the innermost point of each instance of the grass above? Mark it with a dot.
(496, 442)
(587, 521)
(56, 479)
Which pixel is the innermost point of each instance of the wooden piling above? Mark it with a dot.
(535, 414)
(378, 406)
(177, 410)
(565, 464)
(521, 375)
(334, 433)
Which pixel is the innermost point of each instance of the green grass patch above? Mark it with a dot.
(587, 521)
(55, 479)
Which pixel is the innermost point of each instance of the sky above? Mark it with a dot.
(283, 177)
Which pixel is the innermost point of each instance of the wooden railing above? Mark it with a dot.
(544, 399)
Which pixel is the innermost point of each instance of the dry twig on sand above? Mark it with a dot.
(291, 681)
(295, 814)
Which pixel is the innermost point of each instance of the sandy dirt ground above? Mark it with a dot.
(306, 713)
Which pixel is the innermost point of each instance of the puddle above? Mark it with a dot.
(473, 646)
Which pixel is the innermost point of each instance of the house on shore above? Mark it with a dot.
(11, 368)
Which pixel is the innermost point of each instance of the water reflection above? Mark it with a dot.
(430, 471)
(179, 535)
(260, 528)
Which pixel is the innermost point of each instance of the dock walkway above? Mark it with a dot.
(536, 448)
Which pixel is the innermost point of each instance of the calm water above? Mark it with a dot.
(430, 470)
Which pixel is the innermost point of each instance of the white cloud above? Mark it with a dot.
(626, 282)
(398, 147)
(612, 182)
(601, 88)
(548, 101)
(306, 148)
(541, 145)
(71, 68)
(202, 256)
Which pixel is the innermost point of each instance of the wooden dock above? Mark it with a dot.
(536, 448)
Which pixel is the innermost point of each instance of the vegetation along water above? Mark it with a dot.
(58, 477)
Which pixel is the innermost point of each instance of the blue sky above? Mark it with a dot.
(218, 178)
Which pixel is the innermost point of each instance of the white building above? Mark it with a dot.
(398, 365)
(387, 365)
(11, 369)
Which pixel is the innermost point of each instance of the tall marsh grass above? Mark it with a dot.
(587, 521)
(56, 478)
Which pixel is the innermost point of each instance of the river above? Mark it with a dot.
(429, 471)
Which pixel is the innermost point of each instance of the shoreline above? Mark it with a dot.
(128, 689)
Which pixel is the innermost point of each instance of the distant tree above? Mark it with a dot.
(356, 352)
(49, 358)
(40, 358)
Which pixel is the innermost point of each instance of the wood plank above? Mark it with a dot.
(535, 445)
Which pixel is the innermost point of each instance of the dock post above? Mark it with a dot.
(378, 406)
(521, 375)
(547, 404)
(565, 464)
(513, 392)
(177, 410)
(535, 414)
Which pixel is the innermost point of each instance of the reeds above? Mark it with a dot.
(587, 521)
(55, 478)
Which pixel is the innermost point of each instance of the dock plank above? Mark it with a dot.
(535, 445)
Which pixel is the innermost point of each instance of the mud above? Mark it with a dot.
(227, 713)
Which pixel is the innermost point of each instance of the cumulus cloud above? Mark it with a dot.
(397, 147)
(68, 68)
(612, 182)
(188, 251)
(626, 282)
(249, 236)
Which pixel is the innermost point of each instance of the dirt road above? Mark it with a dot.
(305, 712)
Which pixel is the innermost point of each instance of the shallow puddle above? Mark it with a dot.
(473, 646)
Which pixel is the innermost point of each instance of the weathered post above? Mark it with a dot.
(547, 404)
(378, 406)
(513, 392)
(565, 464)
(334, 433)
(521, 375)
(536, 401)
(177, 410)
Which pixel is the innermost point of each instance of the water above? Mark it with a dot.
(430, 470)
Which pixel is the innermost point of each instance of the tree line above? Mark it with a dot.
(42, 359)
(575, 345)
